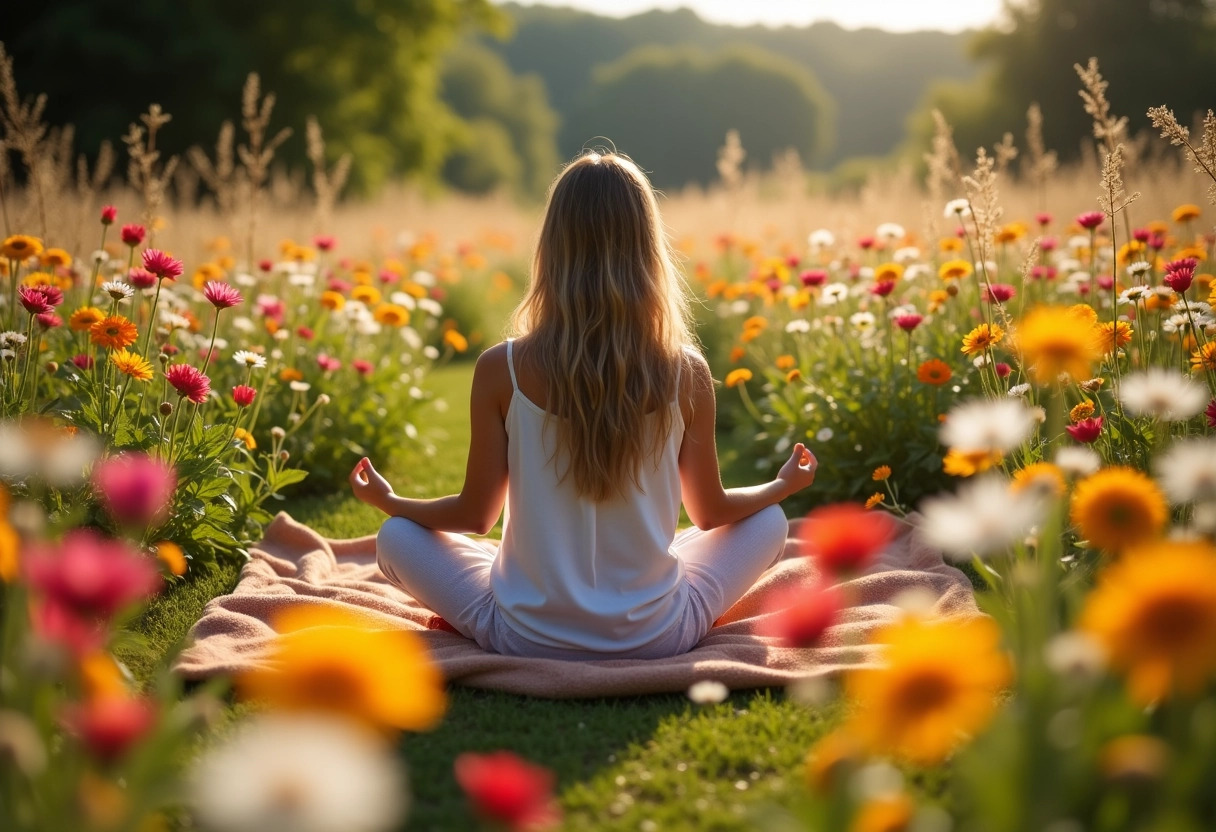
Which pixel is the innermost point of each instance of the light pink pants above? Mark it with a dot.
(450, 574)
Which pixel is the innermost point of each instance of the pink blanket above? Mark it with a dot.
(295, 565)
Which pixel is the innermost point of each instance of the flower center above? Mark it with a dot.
(924, 693)
(1171, 621)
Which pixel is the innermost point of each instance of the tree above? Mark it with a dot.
(670, 109)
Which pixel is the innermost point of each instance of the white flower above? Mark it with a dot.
(7, 355)
(1187, 471)
(300, 386)
(1019, 390)
(1162, 394)
(984, 517)
(890, 232)
(67, 459)
(430, 352)
(833, 293)
(430, 306)
(798, 325)
(957, 209)
(708, 692)
(917, 270)
(906, 255)
(981, 360)
(99, 256)
(367, 326)
(17, 456)
(423, 278)
(1074, 654)
(173, 320)
(999, 425)
(1133, 295)
(1139, 269)
(299, 774)
(404, 299)
(245, 279)
(243, 324)
(824, 435)
(1077, 461)
(862, 321)
(249, 359)
(302, 280)
(118, 290)
(820, 239)
(12, 339)
(411, 337)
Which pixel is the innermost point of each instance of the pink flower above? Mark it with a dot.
(1043, 219)
(161, 264)
(1048, 244)
(222, 295)
(1090, 219)
(133, 234)
(90, 577)
(141, 278)
(1156, 241)
(324, 242)
(908, 322)
(337, 284)
(799, 617)
(883, 288)
(1179, 279)
(362, 367)
(109, 725)
(189, 382)
(1002, 369)
(1105, 281)
(1141, 235)
(304, 332)
(814, 277)
(508, 790)
(83, 361)
(243, 395)
(997, 292)
(328, 363)
(271, 307)
(48, 320)
(1043, 272)
(866, 243)
(387, 277)
(1086, 430)
(135, 489)
(1210, 412)
(1182, 263)
(773, 284)
(108, 214)
(39, 299)
(265, 265)
(792, 261)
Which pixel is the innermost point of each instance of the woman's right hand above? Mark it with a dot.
(369, 485)
(799, 470)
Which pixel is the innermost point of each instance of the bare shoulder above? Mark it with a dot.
(696, 383)
(492, 377)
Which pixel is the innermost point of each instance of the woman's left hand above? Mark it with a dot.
(369, 486)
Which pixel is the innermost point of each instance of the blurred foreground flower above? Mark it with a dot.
(845, 538)
(135, 489)
(290, 773)
(506, 789)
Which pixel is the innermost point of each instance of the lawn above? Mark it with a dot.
(653, 762)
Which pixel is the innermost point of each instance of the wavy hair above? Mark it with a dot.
(605, 320)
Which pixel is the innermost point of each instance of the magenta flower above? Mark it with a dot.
(141, 278)
(162, 264)
(108, 214)
(271, 307)
(189, 382)
(83, 361)
(1043, 219)
(305, 332)
(1091, 219)
(222, 295)
(40, 299)
(1002, 369)
(1156, 241)
(135, 489)
(1086, 430)
(337, 284)
(1141, 235)
(48, 320)
(1210, 412)
(997, 292)
(883, 288)
(324, 242)
(108, 726)
(133, 234)
(328, 363)
(814, 277)
(908, 322)
(243, 395)
(362, 367)
(1049, 244)
(90, 577)
(1179, 279)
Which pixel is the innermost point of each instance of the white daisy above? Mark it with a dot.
(821, 239)
(798, 325)
(999, 425)
(862, 321)
(906, 255)
(249, 359)
(1019, 390)
(12, 338)
(984, 517)
(890, 232)
(1077, 461)
(118, 290)
(280, 773)
(1162, 394)
(7, 355)
(708, 692)
(302, 281)
(423, 278)
(245, 279)
(430, 306)
(300, 386)
(173, 320)
(1135, 294)
(917, 270)
(1187, 471)
(957, 209)
(833, 293)
(243, 324)
(1139, 269)
(404, 299)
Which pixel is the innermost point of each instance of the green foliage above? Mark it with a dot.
(773, 103)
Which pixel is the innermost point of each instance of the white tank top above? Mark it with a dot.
(578, 574)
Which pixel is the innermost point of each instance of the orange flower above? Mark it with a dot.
(881, 473)
(170, 554)
(1114, 334)
(455, 340)
(736, 377)
(874, 500)
(332, 301)
(786, 362)
(113, 333)
(290, 374)
(934, 371)
(984, 337)
(84, 318)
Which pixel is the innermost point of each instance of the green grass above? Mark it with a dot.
(654, 762)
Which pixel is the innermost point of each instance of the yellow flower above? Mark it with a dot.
(325, 660)
(1054, 340)
(414, 290)
(56, 257)
(171, 555)
(1041, 476)
(246, 437)
(736, 354)
(10, 543)
(1010, 233)
(786, 362)
(1204, 358)
(368, 295)
(937, 299)
(1131, 250)
(84, 318)
(1114, 334)
(950, 245)
(332, 301)
(113, 333)
(20, 247)
(888, 271)
(206, 272)
(1186, 213)
(969, 463)
(101, 677)
(984, 337)
(455, 340)
(939, 685)
(827, 757)
(736, 377)
(1154, 612)
(1081, 412)
(290, 374)
(1118, 507)
(391, 314)
(873, 500)
(889, 813)
(131, 364)
(881, 473)
(793, 375)
(955, 270)
(1084, 312)
(755, 322)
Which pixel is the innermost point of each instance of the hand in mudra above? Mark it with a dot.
(799, 470)
(369, 485)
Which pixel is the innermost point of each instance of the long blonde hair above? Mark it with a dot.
(606, 319)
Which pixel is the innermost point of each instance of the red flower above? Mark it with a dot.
(133, 234)
(1086, 430)
(324, 242)
(1142, 234)
(883, 288)
(845, 538)
(141, 278)
(265, 265)
(108, 214)
(83, 361)
(998, 292)
(38, 300)
(135, 489)
(90, 577)
(1156, 241)
(1179, 274)
(162, 265)
(908, 322)
(243, 395)
(271, 307)
(1002, 369)
(189, 382)
(304, 332)
(1091, 219)
(1043, 219)
(1048, 244)
(328, 363)
(362, 367)
(866, 243)
(1210, 412)
(800, 616)
(504, 788)
(814, 277)
(773, 284)
(110, 725)
(792, 261)
(48, 320)
(222, 295)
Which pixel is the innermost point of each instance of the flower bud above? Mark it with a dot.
(323, 399)
(277, 432)
(166, 408)
(952, 290)
(52, 367)
(163, 358)
(284, 456)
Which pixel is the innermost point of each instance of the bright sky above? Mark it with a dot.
(894, 15)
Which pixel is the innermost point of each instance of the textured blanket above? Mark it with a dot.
(295, 565)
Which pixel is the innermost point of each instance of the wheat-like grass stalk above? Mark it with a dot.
(1038, 163)
(142, 173)
(1110, 132)
(1204, 155)
(257, 153)
(1004, 152)
(221, 174)
(25, 132)
(326, 184)
(944, 171)
(89, 183)
(730, 161)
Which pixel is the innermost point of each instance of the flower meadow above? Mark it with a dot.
(1037, 395)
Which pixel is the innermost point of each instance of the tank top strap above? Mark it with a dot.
(511, 364)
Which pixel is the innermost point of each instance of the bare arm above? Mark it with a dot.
(477, 507)
(708, 504)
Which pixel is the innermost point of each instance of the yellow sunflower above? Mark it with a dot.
(1114, 334)
(56, 257)
(20, 247)
(1053, 340)
(1081, 412)
(332, 301)
(113, 333)
(939, 685)
(367, 295)
(984, 337)
(736, 377)
(84, 318)
(1039, 476)
(950, 245)
(1186, 213)
(1204, 358)
(131, 364)
(969, 463)
(1118, 507)
(1154, 611)
(888, 271)
(955, 270)
(391, 314)
(323, 660)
